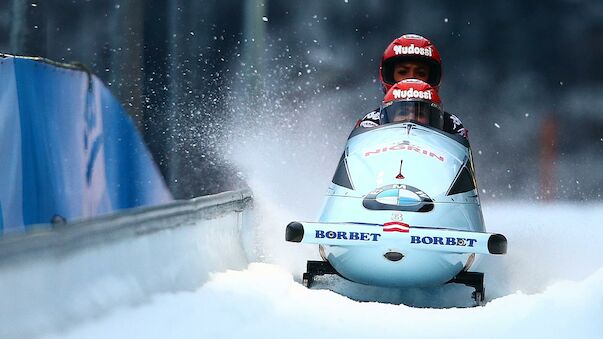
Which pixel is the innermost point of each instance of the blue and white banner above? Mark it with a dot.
(11, 187)
(67, 148)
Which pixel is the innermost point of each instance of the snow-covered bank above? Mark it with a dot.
(55, 279)
(264, 301)
(548, 285)
(547, 243)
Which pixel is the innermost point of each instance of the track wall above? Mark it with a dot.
(53, 279)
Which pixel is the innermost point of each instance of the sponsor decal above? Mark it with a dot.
(398, 197)
(411, 93)
(360, 236)
(413, 36)
(368, 124)
(406, 147)
(374, 115)
(448, 241)
(412, 49)
(396, 226)
(456, 122)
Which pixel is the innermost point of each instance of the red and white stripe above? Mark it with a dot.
(396, 226)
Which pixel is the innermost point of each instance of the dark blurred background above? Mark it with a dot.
(526, 77)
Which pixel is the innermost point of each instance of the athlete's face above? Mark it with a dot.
(411, 116)
(411, 70)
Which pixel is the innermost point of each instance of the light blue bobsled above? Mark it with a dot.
(402, 210)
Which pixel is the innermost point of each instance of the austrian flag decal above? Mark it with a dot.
(396, 226)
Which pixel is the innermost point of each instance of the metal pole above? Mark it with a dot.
(28, 28)
(126, 60)
(253, 49)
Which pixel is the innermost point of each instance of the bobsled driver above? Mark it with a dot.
(412, 56)
(412, 100)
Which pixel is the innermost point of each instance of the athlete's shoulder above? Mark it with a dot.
(370, 119)
(372, 115)
(454, 125)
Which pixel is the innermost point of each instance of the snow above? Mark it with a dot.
(55, 290)
(548, 285)
(264, 301)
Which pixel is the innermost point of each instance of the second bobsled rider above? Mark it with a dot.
(412, 56)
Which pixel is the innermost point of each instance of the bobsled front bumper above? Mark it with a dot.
(423, 238)
(396, 256)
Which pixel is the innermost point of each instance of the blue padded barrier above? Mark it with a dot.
(67, 147)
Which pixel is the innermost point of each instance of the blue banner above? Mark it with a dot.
(67, 148)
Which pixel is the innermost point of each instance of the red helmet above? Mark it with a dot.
(412, 100)
(410, 47)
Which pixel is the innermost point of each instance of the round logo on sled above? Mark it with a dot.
(398, 197)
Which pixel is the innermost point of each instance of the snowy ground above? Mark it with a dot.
(547, 286)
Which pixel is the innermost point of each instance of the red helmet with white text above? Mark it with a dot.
(412, 100)
(410, 47)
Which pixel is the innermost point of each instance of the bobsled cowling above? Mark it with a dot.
(402, 210)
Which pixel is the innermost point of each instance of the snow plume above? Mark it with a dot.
(287, 150)
(286, 147)
(285, 144)
(548, 243)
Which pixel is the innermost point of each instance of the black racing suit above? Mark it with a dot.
(452, 124)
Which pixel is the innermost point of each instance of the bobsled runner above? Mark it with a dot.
(402, 210)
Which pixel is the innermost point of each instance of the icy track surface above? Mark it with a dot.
(548, 285)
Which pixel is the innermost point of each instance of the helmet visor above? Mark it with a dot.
(421, 112)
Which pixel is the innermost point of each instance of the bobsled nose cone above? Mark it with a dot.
(294, 232)
(393, 256)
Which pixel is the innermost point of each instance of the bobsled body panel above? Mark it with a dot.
(402, 173)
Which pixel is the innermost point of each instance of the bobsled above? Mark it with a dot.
(402, 210)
